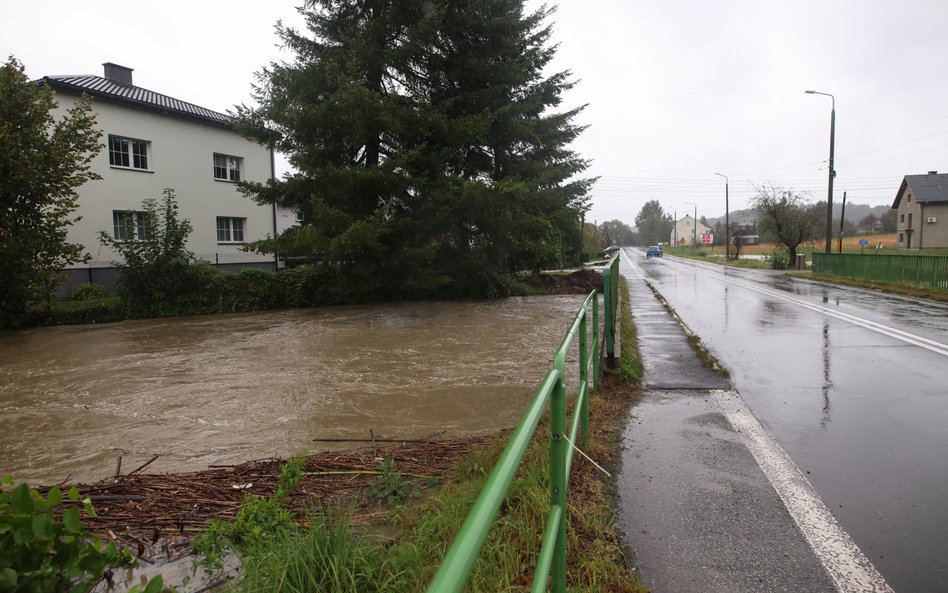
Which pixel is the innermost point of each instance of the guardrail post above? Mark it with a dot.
(610, 288)
(558, 471)
(595, 342)
(584, 376)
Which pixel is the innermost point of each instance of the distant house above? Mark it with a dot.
(922, 205)
(688, 230)
(153, 141)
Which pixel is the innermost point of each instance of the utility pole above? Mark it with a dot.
(832, 173)
(842, 217)
(727, 221)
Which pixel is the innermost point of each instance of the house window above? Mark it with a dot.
(126, 152)
(129, 225)
(226, 167)
(230, 229)
(901, 218)
(901, 237)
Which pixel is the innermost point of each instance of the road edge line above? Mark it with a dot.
(850, 570)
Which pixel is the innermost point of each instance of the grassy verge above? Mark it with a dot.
(934, 294)
(323, 552)
(705, 356)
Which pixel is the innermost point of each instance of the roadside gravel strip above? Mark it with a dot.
(710, 500)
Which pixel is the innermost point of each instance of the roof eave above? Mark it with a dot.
(145, 106)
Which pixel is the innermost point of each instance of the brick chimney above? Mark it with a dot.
(933, 172)
(119, 74)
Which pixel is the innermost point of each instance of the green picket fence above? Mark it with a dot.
(928, 271)
(455, 569)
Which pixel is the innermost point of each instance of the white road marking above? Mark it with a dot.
(845, 563)
(850, 570)
(908, 338)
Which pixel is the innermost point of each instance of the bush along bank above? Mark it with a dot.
(200, 289)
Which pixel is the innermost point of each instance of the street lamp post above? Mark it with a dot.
(832, 173)
(727, 221)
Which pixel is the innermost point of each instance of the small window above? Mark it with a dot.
(901, 237)
(226, 167)
(230, 229)
(901, 218)
(129, 225)
(128, 153)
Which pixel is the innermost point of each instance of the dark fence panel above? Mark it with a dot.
(928, 271)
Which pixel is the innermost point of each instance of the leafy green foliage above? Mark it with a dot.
(391, 486)
(654, 224)
(258, 522)
(156, 277)
(88, 291)
(42, 163)
(778, 258)
(44, 546)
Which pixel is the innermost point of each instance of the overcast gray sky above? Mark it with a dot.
(676, 89)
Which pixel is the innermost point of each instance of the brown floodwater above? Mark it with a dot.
(225, 389)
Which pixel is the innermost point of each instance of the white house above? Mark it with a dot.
(688, 231)
(152, 142)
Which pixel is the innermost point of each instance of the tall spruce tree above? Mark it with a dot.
(428, 161)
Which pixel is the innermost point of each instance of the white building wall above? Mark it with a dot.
(181, 156)
(685, 232)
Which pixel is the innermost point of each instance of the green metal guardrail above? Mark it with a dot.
(456, 567)
(929, 271)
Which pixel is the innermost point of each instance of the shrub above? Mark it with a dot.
(88, 291)
(779, 258)
(44, 545)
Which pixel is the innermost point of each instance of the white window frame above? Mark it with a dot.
(136, 225)
(231, 229)
(129, 153)
(227, 167)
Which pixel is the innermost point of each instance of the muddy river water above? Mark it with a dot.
(226, 389)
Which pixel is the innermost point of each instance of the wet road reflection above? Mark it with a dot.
(851, 383)
(225, 389)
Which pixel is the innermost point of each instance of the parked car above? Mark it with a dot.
(653, 251)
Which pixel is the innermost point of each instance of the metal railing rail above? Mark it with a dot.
(455, 569)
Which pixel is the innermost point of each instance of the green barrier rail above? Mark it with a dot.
(456, 567)
(926, 271)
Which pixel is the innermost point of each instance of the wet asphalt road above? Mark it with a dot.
(853, 385)
(699, 512)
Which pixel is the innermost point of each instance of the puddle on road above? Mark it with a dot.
(226, 389)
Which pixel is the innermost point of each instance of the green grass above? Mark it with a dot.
(630, 366)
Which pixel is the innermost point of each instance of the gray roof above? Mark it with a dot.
(133, 96)
(932, 187)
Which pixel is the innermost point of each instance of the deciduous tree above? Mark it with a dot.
(42, 163)
(786, 216)
(653, 223)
